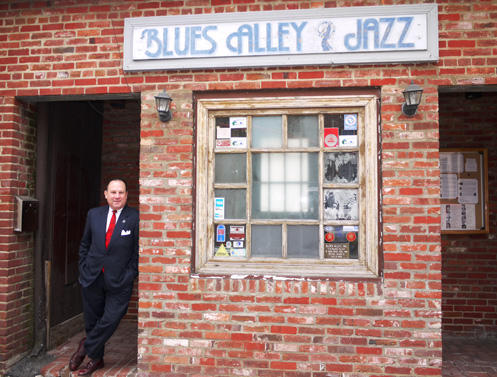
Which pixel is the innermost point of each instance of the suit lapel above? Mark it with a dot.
(102, 223)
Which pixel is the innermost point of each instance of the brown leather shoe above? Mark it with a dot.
(78, 356)
(91, 367)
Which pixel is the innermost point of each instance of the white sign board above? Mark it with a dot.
(383, 34)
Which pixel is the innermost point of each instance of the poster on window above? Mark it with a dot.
(341, 204)
(331, 137)
(350, 122)
(348, 141)
(341, 242)
(340, 167)
(218, 208)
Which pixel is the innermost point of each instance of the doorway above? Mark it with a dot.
(468, 119)
(80, 146)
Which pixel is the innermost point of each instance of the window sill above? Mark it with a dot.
(294, 270)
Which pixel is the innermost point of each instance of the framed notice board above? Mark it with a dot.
(464, 190)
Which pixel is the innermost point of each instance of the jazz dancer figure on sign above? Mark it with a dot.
(326, 31)
(108, 266)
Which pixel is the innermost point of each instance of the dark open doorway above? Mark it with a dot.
(81, 144)
(69, 154)
(468, 119)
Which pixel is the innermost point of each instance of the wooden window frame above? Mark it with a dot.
(367, 266)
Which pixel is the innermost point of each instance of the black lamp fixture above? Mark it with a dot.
(162, 104)
(412, 95)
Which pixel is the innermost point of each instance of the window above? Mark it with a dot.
(287, 186)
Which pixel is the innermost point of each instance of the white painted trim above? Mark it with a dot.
(367, 264)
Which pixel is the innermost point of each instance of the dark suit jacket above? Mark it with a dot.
(120, 260)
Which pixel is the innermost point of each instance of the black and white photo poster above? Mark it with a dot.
(341, 204)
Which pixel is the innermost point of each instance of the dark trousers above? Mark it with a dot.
(103, 310)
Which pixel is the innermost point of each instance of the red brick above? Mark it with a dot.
(277, 365)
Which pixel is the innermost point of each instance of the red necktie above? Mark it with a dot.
(112, 225)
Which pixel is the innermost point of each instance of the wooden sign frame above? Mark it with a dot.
(464, 190)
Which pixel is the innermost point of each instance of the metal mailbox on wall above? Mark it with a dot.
(26, 214)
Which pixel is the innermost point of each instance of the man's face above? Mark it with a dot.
(116, 195)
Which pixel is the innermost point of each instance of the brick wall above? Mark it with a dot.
(18, 141)
(470, 261)
(194, 325)
(191, 325)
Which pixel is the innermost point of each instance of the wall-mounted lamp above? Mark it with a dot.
(162, 104)
(412, 95)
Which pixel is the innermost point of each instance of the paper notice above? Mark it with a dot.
(331, 137)
(223, 133)
(468, 191)
(348, 140)
(471, 165)
(451, 162)
(238, 122)
(458, 217)
(239, 142)
(448, 186)
(219, 208)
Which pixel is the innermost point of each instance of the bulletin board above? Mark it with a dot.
(464, 190)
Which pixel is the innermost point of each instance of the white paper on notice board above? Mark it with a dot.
(468, 191)
(448, 186)
(451, 162)
(471, 165)
(458, 217)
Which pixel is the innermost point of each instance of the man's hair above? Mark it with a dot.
(117, 179)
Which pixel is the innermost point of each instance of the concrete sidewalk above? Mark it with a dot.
(466, 357)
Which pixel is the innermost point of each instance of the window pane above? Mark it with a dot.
(230, 168)
(285, 186)
(341, 205)
(266, 241)
(267, 132)
(341, 242)
(302, 131)
(303, 241)
(234, 203)
(340, 167)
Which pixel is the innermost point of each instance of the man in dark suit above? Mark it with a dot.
(108, 265)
